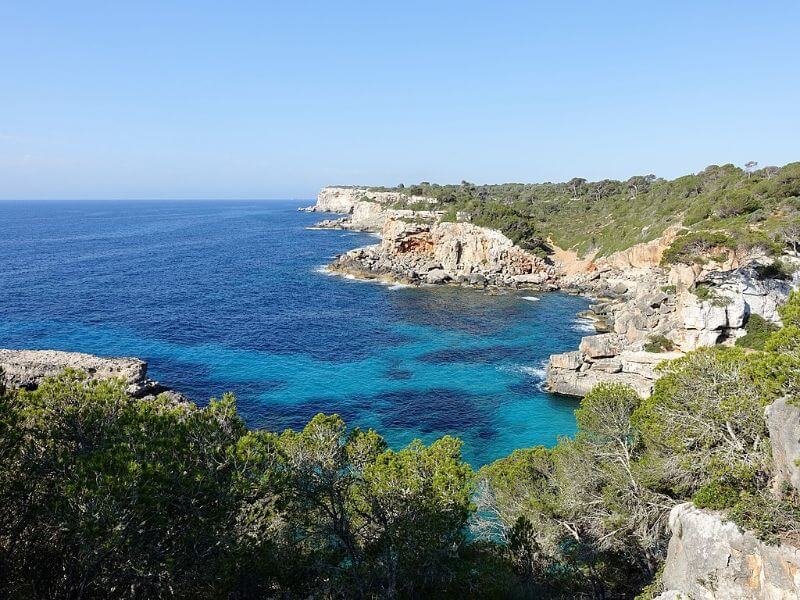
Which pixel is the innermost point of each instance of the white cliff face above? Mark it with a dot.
(431, 252)
(367, 210)
(710, 558)
(338, 199)
(343, 199)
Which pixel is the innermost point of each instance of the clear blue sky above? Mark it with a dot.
(267, 99)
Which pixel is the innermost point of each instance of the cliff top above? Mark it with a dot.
(752, 207)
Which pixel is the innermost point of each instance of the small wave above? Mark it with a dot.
(530, 298)
(399, 286)
(584, 325)
(537, 372)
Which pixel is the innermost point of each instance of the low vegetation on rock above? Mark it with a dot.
(721, 206)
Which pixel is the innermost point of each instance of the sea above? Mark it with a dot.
(222, 296)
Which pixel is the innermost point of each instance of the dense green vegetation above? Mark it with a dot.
(750, 207)
(592, 510)
(758, 332)
(105, 496)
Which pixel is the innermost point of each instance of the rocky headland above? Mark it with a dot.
(644, 312)
(28, 368)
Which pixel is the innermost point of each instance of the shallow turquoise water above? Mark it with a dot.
(221, 296)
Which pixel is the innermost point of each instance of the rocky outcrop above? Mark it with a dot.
(343, 199)
(642, 256)
(640, 306)
(416, 251)
(602, 360)
(783, 421)
(710, 558)
(368, 210)
(28, 368)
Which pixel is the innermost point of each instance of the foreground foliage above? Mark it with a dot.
(588, 517)
(106, 496)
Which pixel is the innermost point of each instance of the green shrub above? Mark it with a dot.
(659, 343)
(716, 495)
(708, 294)
(778, 269)
(758, 331)
(695, 247)
(738, 202)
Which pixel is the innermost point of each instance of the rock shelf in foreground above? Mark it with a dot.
(28, 368)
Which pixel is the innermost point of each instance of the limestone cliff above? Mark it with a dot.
(783, 421)
(640, 300)
(710, 558)
(643, 306)
(435, 252)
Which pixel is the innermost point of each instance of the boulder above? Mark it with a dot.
(699, 314)
(531, 278)
(568, 360)
(603, 345)
(710, 558)
(783, 421)
(436, 276)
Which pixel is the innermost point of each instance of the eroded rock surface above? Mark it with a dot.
(783, 421)
(710, 558)
(431, 252)
(28, 368)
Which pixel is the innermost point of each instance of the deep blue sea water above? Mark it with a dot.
(229, 296)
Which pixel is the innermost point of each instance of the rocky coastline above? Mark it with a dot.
(644, 313)
(28, 368)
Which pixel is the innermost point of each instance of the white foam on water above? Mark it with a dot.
(537, 372)
(530, 298)
(584, 325)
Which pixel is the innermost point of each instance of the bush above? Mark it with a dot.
(738, 202)
(659, 343)
(777, 269)
(758, 332)
(695, 247)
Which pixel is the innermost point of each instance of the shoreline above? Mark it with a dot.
(641, 312)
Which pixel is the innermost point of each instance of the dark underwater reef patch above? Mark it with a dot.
(484, 355)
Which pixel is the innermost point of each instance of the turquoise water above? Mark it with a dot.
(230, 296)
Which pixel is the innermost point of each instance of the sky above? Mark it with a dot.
(266, 99)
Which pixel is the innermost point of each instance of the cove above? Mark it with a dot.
(230, 296)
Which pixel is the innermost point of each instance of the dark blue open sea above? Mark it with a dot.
(229, 296)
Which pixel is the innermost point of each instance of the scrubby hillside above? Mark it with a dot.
(754, 207)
